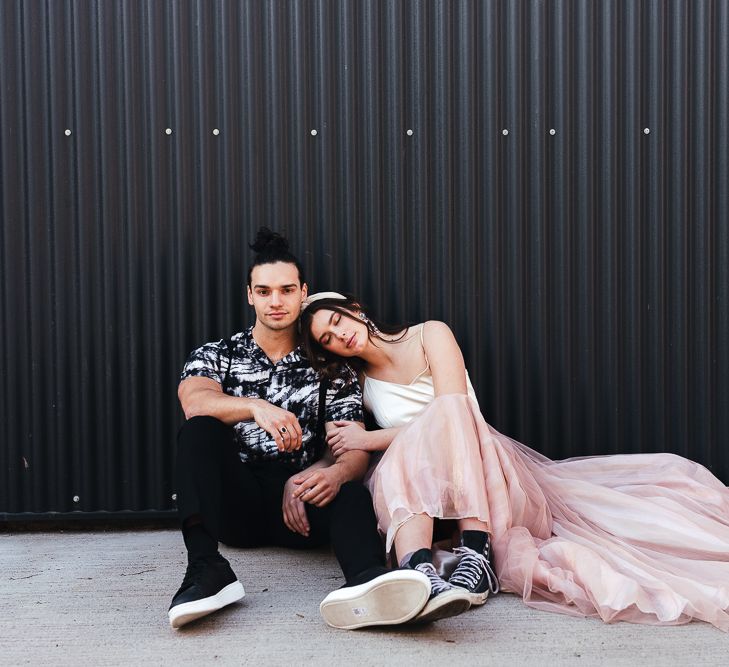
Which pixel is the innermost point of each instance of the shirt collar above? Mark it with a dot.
(251, 347)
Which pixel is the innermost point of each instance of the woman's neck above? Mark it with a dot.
(380, 353)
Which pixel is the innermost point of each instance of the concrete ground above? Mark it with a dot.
(101, 598)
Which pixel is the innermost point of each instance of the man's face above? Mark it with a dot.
(276, 294)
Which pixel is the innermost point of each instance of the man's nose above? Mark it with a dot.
(275, 298)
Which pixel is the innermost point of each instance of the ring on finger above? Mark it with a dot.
(283, 430)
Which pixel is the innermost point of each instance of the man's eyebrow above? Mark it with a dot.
(269, 287)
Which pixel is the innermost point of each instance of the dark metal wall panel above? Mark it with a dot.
(548, 177)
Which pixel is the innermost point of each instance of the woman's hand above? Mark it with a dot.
(347, 436)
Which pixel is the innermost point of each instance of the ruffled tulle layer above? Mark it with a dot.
(642, 538)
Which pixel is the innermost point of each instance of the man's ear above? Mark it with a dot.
(250, 295)
(304, 291)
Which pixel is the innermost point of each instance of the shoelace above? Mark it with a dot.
(470, 567)
(437, 584)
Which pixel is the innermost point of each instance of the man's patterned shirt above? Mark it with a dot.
(291, 384)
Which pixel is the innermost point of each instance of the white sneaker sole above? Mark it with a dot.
(190, 611)
(449, 603)
(390, 599)
(475, 598)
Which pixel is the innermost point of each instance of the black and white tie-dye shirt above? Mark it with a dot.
(291, 384)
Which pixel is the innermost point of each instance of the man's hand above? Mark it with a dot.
(318, 487)
(294, 511)
(347, 436)
(281, 424)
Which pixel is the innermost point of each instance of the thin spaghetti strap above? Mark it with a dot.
(427, 361)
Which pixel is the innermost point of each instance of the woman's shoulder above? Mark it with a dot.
(435, 328)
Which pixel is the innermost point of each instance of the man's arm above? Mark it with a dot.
(319, 484)
(201, 396)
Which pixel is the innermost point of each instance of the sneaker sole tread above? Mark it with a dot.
(396, 599)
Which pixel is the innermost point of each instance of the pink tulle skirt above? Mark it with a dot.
(642, 538)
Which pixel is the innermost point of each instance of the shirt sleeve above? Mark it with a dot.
(344, 399)
(207, 362)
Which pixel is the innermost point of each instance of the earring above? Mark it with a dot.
(370, 325)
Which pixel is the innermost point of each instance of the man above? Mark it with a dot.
(252, 467)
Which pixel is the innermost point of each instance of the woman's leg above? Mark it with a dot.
(473, 524)
(415, 534)
(413, 542)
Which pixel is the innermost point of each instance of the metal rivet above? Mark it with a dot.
(647, 130)
(76, 499)
(168, 131)
(553, 132)
(174, 496)
(409, 133)
(505, 132)
(313, 133)
(67, 133)
(216, 131)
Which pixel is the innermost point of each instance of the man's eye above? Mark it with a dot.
(262, 292)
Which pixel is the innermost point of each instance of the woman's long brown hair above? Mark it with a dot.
(323, 360)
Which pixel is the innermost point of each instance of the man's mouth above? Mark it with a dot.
(278, 314)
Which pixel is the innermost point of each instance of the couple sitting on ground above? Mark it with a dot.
(274, 447)
(270, 455)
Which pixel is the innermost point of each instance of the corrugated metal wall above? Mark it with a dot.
(549, 177)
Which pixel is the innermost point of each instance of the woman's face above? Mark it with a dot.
(338, 333)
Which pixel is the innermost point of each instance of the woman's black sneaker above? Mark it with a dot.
(445, 600)
(209, 585)
(474, 572)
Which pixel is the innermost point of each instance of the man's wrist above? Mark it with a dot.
(252, 404)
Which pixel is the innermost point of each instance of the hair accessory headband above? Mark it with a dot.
(321, 295)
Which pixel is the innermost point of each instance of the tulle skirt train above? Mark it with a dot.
(642, 538)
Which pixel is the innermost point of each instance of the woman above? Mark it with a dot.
(641, 538)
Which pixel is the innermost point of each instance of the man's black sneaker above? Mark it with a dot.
(445, 600)
(209, 585)
(474, 573)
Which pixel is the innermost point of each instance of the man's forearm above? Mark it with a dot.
(228, 409)
(352, 465)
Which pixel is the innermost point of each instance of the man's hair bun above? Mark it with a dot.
(268, 242)
(270, 247)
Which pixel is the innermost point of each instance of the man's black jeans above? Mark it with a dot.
(240, 503)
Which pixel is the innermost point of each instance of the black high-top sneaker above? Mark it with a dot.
(445, 600)
(474, 571)
(209, 585)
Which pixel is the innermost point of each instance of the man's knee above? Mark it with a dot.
(353, 494)
(203, 429)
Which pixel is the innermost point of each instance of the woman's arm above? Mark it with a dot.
(445, 358)
(346, 436)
